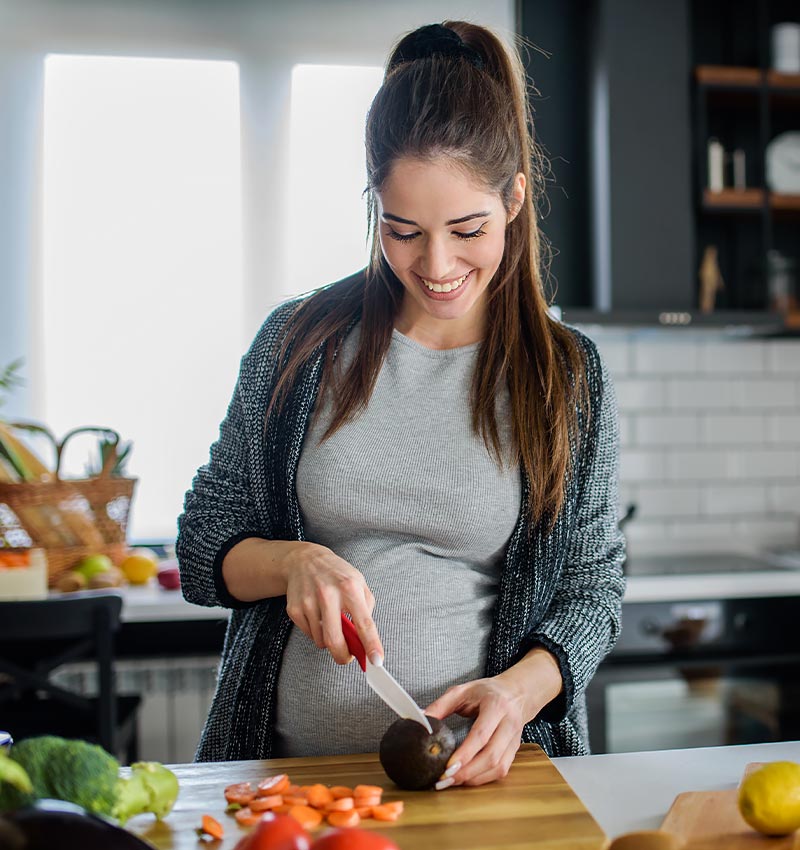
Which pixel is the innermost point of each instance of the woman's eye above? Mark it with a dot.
(402, 237)
(474, 235)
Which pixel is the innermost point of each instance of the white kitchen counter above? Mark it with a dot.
(151, 603)
(631, 791)
(678, 588)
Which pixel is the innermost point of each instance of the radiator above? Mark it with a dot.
(176, 694)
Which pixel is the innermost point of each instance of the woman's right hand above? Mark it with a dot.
(319, 586)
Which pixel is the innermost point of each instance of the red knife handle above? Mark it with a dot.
(354, 642)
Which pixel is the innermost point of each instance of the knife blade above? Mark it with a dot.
(381, 681)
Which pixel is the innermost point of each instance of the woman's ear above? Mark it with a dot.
(517, 197)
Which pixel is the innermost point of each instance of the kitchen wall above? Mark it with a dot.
(710, 437)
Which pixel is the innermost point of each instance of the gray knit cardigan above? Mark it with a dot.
(560, 589)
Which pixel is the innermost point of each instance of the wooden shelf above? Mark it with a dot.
(732, 76)
(734, 199)
(748, 200)
(787, 203)
(778, 81)
(728, 75)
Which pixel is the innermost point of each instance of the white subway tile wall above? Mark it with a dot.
(709, 438)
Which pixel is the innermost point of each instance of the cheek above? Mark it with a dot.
(488, 251)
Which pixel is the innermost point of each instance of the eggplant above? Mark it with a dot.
(57, 825)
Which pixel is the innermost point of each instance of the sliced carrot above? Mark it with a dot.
(386, 812)
(304, 789)
(367, 791)
(211, 826)
(306, 816)
(395, 806)
(343, 804)
(341, 791)
(247, 817)
(363, 811)
(294, 800)
(240, 793)
(264, 804)
(346, 819)
(319, 796)
(292, 789)
(367, 801)
(283, 809)
(273, 785)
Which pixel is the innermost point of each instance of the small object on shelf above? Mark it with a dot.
(783, 163)
(739, 177)
(786, 47)
(716, 165)
(711, 280)
(781, 281)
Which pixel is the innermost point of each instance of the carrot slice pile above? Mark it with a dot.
(310, 805)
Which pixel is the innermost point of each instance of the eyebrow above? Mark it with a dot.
(461, 220)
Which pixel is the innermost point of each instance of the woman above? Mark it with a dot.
(421, 446)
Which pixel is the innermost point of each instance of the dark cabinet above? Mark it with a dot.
(625, 121)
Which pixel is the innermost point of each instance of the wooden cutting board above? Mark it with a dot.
(710, 820)
(532, 808)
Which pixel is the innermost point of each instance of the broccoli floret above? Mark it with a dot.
(150, 788)
(63, 769)
(84, 774)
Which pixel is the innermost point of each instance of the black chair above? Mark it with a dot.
(36, 638)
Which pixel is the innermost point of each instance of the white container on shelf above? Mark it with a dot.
(786, 47)
(22, 583)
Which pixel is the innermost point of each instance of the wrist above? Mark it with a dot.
(535, 679)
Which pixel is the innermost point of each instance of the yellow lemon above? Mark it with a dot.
(139, 568)
(769, 799)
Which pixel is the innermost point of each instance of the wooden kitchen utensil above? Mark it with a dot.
(710, 820)
(532, 808)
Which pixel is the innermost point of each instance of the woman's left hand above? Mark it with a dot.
(501, 706)
(488, 750)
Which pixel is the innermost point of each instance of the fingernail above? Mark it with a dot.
(444, 783)
(452, 770)
(350, 660)
(375, 659)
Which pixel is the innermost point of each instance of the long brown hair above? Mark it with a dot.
(473, 108)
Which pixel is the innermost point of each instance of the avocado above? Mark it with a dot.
(412, 758)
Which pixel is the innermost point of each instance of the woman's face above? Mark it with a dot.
(443, 236)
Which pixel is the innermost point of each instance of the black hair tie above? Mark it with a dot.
(436, 40)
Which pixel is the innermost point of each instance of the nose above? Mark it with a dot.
(438, 259)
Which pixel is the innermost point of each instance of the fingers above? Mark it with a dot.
(495, 768)
(450, 702)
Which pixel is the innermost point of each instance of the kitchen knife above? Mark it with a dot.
(381, 681)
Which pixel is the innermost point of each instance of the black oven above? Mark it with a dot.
(699, 673)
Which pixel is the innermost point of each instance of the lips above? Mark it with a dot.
(455, 287)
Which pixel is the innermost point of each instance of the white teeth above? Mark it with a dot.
(446, 287)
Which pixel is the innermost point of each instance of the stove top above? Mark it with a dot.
(702, 564)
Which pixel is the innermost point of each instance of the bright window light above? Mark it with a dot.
(143, 303)
(327, 173)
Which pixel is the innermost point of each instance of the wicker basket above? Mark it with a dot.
(68, 518)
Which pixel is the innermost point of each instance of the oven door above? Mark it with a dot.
(699, 674)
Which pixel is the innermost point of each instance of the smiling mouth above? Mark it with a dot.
(450, 286)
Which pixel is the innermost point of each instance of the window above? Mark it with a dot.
(327, 173)
(142, 301)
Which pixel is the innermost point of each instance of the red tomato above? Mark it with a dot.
(353, 839)
(276, 832)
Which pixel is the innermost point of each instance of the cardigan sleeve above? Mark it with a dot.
(218, 513)
(219, 509)
(582, 622)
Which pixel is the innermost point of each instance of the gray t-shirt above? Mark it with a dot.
(411, 497)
